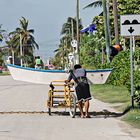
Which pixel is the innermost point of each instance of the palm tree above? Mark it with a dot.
(69, 28)
(23, 37)
(62, 52)
(69, 32)
(100, 3)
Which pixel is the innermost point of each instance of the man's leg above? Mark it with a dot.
(81, 108)
(86, 108)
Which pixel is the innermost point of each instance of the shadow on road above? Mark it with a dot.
(101, 114)
(98, 114)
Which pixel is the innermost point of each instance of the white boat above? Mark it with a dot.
(46, 76)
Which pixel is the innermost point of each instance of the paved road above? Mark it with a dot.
(38, 125)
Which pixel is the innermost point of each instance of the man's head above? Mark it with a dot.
(77, 66)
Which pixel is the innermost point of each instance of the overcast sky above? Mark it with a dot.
(46, 17)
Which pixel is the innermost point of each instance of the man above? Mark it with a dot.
(82, 89)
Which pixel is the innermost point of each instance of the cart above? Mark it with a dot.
(61, 95)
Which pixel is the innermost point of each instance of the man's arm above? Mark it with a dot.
(70, 77)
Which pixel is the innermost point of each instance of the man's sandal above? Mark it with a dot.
(88, 116)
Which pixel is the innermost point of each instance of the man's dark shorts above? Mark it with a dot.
(83, 91)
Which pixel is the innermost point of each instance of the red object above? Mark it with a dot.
(117, 47)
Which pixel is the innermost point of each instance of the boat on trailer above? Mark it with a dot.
(41, 76)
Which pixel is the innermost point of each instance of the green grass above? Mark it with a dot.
(110, 93)
(117, 95)
(133, 118)
(5, 73)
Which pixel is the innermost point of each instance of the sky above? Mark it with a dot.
(46, 17)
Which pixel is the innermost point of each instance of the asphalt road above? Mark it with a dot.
(23, 116)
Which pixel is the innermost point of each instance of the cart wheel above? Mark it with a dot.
(49, 102)
(72, 110)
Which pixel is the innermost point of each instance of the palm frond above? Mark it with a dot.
(24, 23)
(56, 50)
(31, 31)
(1, 37)
(94, 4)
(33, 42)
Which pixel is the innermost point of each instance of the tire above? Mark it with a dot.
(72, 108)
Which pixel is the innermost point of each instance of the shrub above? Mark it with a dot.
(121, 73)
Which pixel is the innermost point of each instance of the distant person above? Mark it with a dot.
(78, 74)
(49, 66)
(38, 63)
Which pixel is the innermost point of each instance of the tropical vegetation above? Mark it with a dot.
(2, 31)
(68, 33)
(21, 44)
(93, 46)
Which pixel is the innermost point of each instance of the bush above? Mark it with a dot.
(121, 73)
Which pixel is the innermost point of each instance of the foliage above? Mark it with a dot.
(1, 60)
(5, 73)
(60, 58)
(121, 72)
(94, 4)
(69, 28)
(1, 33)
(121, 66)
(92, 47)
(91, 51)
(125, 7)
(23, 36)
(1, 39)
(128, 7)
(120, 63)
(68, 33)
(137, 88)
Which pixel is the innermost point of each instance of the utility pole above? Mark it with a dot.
(78, 36)
(106, 30)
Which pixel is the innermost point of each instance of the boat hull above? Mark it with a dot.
(46, 76)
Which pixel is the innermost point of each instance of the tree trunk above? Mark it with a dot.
(72, 29)
(115, 11)
(13, 57)
(21, 51)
